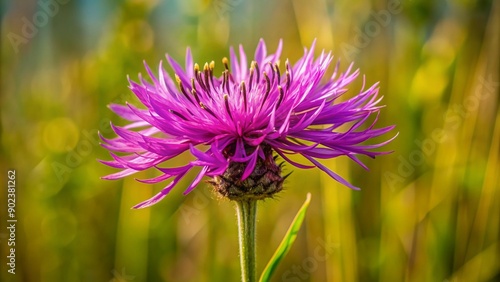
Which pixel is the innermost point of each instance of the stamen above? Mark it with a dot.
(288, 76)
(201, 83)
(288, 80)
(225, 62)
(206, 71)
(177, 114)
(207, 109)
(250, 81)
(272, 71)
(225, 82)
(258, 72)
(193, 84)
(197, 75)
(244, 92)
(224, 79)
(212, 66)
(268, 88)
(196, 70)
(226, 97)
(278, 74)
(181, 87)
(281, 95)
(195, 94)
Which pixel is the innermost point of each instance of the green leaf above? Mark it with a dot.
(287, 241)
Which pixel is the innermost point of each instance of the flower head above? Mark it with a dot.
(232, 124)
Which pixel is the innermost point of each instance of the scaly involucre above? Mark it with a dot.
(242, 116)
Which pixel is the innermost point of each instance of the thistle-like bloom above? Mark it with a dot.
(235, 125)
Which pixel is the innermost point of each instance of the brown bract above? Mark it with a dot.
(264, 182)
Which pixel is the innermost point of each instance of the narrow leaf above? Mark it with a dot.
(287, 242)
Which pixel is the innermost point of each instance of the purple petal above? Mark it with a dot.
(120, 174)
(196, 180)
(299, 165)
(331, 173)
(158, 197)
(260, 52)
(251, 164)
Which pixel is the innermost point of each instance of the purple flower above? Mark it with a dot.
(233, 123)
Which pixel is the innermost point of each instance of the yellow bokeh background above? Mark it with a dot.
(430, 211)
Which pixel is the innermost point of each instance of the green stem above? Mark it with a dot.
(246, 211)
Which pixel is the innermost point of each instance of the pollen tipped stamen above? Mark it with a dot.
(288, 80)
(272, 72)
(194, 91)
(195, 94)
(199, 78)
(250, 80)
(206, 71)
(207, 109)
(282, 94)
(226, 102)
(268, 90)
(288, 75)
(181, 88)
(244, 93)
(226, 81)
(193, 84)
(257, 70)
(278, 74)
(211, 67)
(196, 71)
(225, 62)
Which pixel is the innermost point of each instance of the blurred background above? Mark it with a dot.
(428, 212)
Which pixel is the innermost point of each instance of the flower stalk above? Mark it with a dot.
(246, 211)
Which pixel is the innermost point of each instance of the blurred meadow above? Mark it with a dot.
(430, 211)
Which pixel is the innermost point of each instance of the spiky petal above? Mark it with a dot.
(234, 124)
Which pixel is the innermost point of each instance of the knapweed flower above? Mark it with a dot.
(235, 125)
